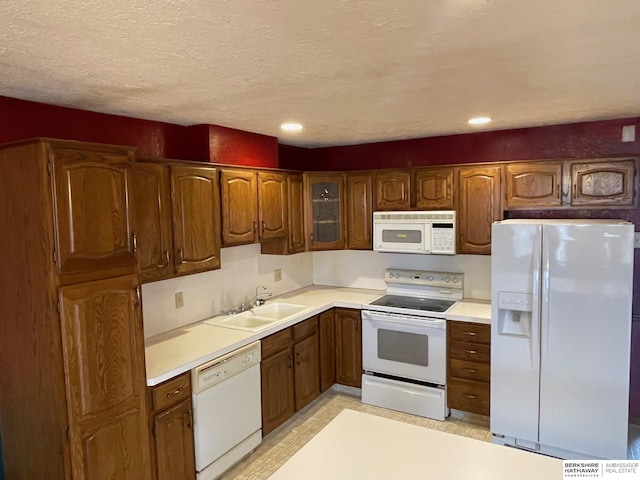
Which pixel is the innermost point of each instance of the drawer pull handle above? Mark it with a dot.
(472, 334)
(472, 397)
(471, 352)
(175, 392)
(471, 370)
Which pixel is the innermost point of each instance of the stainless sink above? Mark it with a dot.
(257, 318)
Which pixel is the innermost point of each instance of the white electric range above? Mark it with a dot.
(404, 342)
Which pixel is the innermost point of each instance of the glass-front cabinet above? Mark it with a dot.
(324, 213)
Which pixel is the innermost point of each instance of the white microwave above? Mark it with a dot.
(432, 232)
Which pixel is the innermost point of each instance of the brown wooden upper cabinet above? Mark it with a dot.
(91, 185)
(253, 206)
(533, 184)
(359, 211)
(479, 205)
(151, 216)
(393, 190)
(608, 183)
(324, 211)
(176, 209)
(570, 183)
(196, 218)
(294, 241)
(434, 188)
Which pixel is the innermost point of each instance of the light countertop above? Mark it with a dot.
(471, 310)
(177, 351)
(363, 446)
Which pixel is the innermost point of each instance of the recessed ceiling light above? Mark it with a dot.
(479, 120)
(291, 127)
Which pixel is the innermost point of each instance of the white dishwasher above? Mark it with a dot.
(227, 417)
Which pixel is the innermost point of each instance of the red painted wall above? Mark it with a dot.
(21, 119)
(577, 140)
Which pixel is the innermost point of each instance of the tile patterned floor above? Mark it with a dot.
(282, 443)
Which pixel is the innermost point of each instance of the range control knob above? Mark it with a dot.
(455, 279)
(447, 279)
(397, 275)
(430, 278)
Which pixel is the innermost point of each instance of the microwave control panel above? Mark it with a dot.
(443, 238)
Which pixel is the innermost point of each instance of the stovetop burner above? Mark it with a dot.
(414, 303)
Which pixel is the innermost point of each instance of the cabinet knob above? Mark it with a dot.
(138, 296)
(166, 258)
(180, 256)
(134, 242)
(264, 226)
(471, 352)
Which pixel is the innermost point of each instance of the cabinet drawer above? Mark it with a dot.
(470, 332)
(305, 329)
(480, 372)
(275, 343)
(172, 391)
(474, 352)
(468, 395)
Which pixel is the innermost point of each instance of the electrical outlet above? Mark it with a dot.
(277, 275)
(179, 300)
(636, 240)
(629, 133)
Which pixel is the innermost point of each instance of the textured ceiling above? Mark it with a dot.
(351, 71)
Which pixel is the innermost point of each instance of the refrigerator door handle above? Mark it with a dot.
(535, 307)
(544, 304)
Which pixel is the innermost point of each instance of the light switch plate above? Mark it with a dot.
(179, 300)
(277, 275)
(629, 133)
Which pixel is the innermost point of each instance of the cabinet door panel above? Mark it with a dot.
(239, 206)
(175, 443)
(434, 188)
(295, 208)
(277, 390)
(602, 183)
(324, 212)
(393, 190)
(307, 371)
(103, 353)
(91, 191)
(327, 329)
(151, 218)
(533, 184)
(196, 218)
(478, 207)
(359, 211)
(272, 195)
(348, 347)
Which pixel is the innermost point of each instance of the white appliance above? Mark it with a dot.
(227, 410)
(415, 232)
(560, 336)
(404, 345)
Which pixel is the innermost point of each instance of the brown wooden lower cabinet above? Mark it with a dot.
(172, 424)
(290, 372)
(348, 347)
(468, 366)
(327, 327)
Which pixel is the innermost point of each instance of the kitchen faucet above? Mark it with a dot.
(257, 300)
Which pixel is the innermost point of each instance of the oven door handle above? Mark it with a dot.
(389, 320)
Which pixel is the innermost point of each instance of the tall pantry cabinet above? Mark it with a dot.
(72, 388)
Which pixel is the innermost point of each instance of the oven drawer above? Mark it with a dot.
(470, 351)
(469, 332)
(480, 372)
(468, 395)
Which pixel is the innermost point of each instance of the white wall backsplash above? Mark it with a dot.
(365, 269)
(206, 294)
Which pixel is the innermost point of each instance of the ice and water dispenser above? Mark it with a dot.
(515, 311)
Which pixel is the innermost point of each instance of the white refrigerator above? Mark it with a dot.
(560, 336)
